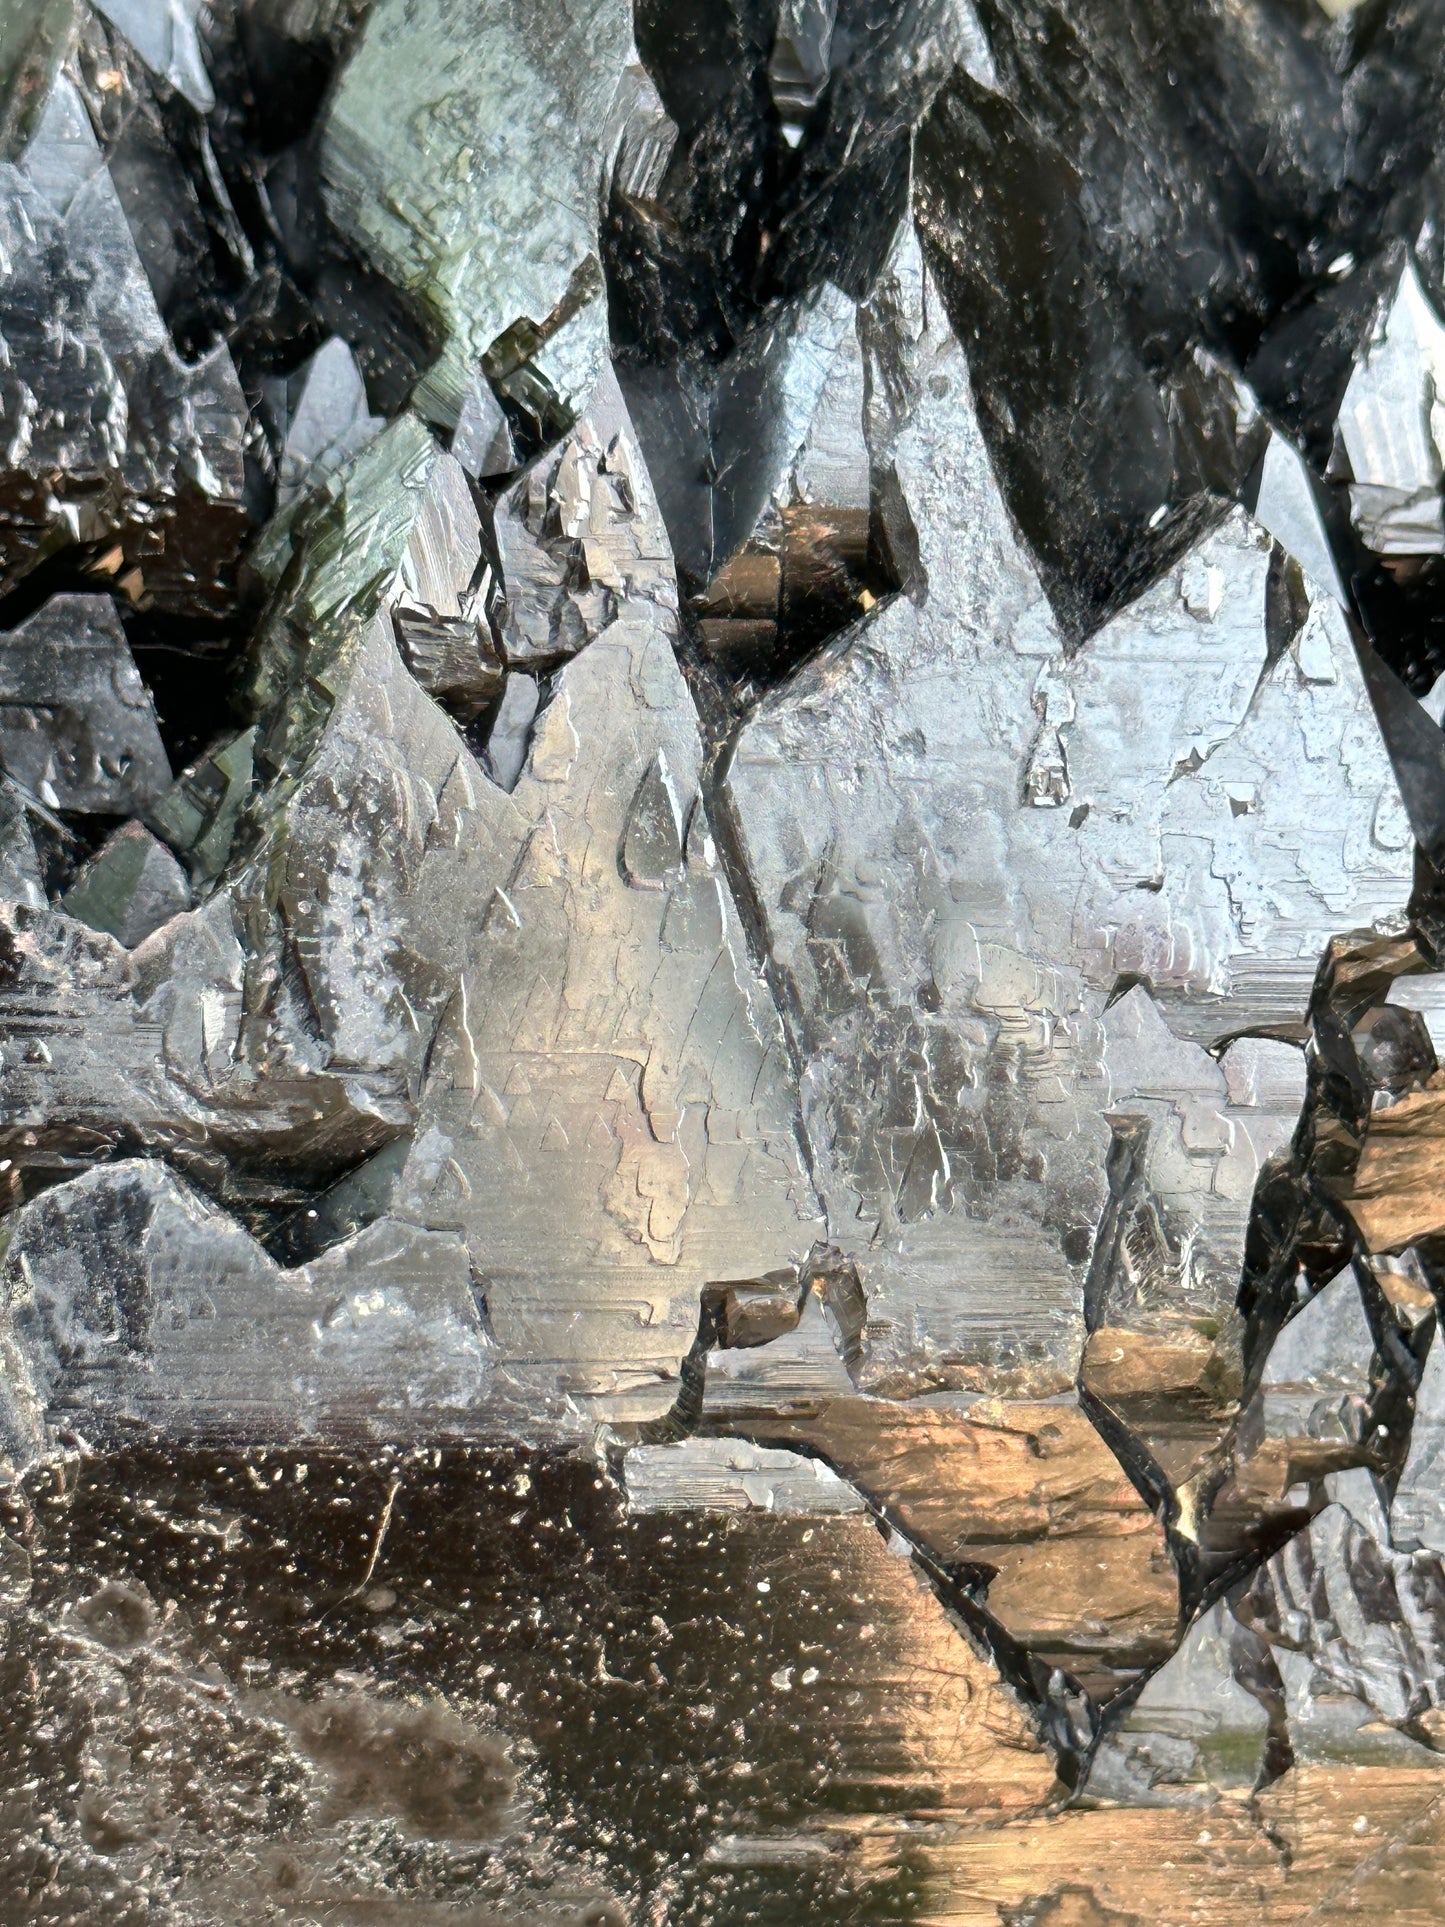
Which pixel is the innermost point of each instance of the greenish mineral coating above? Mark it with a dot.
(462, 153)
(329, 565)
(330, 561)
(34, 37)
(198, 816)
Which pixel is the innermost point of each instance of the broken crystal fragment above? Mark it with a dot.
(506, 753)
(964, 34)
(555, 537)
(729, 1475)
(21, 880)
(830, 466)
(1166, 1390)
(453, 658)
(199, 814)
(108, 1051)
(1417, 1512)
(1287, 503)
(1417, 750)
(164, 34)
(794, 1374)
(482, 441)
(1393, 1193)
(1326, 1347)
(1426, 995)
(798, 70)
(1310, 1413)
(641, 137)
(1391, 429)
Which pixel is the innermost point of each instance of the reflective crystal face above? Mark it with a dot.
(721, 821)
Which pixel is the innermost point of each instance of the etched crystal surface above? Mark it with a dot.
(722, 963)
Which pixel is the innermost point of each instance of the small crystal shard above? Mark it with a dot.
(329, 424)
(452, 657)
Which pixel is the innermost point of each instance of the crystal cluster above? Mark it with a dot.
(722, 962)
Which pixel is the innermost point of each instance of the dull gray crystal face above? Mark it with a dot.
(1017, 893)
(526, 98)
(1317, 1377)
(77, 726)
(130, 887)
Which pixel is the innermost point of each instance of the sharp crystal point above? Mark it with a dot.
(1288, 505)
(329, 424)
